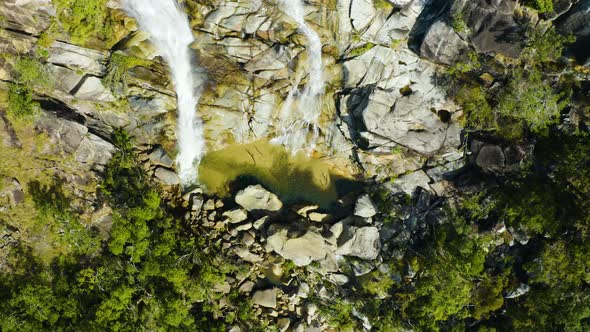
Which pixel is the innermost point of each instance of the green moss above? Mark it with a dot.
(118, 68)
(396, 43)
(45, 40)
(339, 314)
(383, 5)
(479, 113)
(30, 71)
(463, 67)
(459, 24)
(84, 19)
(361, 49)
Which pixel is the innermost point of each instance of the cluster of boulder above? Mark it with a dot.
(257, 229)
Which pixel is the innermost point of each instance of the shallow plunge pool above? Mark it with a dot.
(292, 177)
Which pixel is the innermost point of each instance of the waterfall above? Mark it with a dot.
(301, 110)
(171, 34)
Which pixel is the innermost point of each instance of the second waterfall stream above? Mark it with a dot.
(300, 113)
(171, 34)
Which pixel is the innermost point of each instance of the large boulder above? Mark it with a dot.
(257, 198)
(408, 183)
(362, 13)
(576, 20)
(73, 138)
(399, 103)
(442, 44)
(235, 216)
(160, 157)
(265, 298)
(31, 16)
(166, 176)
(493, 26)
(365, 207)
(361, 242)
(497, 159)
(302, 249)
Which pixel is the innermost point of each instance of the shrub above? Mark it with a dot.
(84, 19)
(377, 283)
(30, 71)
(479, 113)
(543, 6)
(117, 69)
(545, 46)
(20, 102)
(530, 99)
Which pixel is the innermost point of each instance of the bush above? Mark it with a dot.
(543, 6)
(20, 102)
(118, 66)
(531, 100)
(479, 113)
(84, 19)
(30, 71)
(545, 46)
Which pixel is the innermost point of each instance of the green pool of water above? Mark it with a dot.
(292, 177)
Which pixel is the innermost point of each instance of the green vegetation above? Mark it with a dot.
(117, 69)
(456, 276)
(530, 100)
(543, 6)
(459, 24)
(28, 73)
(84, 20)
(383, 5)
(512, 256)
(20, 102)
(339, 314)
(46, 38)
(377, 283)
(150, 274)
(361, 50)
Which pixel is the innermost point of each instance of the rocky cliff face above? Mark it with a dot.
(383, 113)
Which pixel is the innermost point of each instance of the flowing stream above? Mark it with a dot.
(170, 32)
(301, 110)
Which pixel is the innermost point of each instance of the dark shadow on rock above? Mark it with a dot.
(356, 104)
(576, 21)
(433, 11)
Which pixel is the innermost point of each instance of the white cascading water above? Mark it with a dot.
(170, 32)
(301, 110)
